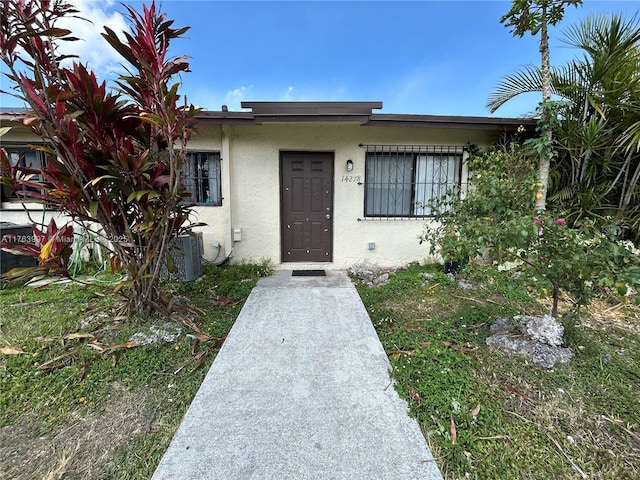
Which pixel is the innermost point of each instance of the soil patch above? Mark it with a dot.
(80, 447)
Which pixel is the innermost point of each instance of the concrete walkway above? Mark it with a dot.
(300, 390)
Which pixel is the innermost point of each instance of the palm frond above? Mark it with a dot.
(525, 81)
(563, 195)
(630, 138)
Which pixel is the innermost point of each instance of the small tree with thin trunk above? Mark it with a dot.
(114, 156)
(535, 16)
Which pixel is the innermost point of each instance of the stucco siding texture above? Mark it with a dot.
(247, 225)
(255, 190)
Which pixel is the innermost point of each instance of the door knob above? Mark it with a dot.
(328, 216)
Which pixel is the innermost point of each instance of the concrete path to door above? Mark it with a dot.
(300, 390)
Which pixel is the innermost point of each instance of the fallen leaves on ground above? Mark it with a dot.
(399, 353)
(416, 396)
(12, 350)
(219, 301)
(520, 393)
(460, 348)
(454, 434)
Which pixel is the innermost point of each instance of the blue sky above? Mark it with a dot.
(421, 57)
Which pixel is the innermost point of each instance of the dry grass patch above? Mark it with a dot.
(83, 444)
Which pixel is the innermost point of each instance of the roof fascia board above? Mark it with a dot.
(333, 112)
(360, 119)
(311, 108)
(483, 123)
(226, 118)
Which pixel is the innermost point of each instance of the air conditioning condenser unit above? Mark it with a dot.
(186, 251)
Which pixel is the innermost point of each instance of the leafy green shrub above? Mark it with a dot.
(497, 222)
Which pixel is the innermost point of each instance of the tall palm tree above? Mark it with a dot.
(597, 172)
(535, 17)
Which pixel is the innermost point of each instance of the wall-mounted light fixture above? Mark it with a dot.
(349, 165)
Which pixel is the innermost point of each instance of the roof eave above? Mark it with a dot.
(335, 112)
(226, 117)
(311, 108)
(481, 123)
(320, 118)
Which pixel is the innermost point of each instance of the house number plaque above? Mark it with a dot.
(351, 178)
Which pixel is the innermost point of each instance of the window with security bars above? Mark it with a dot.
(22, 156)
(402, 181)
(201, 177)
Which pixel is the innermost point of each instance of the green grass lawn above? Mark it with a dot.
(80, 401)
(490, 415)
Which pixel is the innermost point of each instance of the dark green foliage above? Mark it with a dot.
(527, 16)
(595, 172)
(496, 222)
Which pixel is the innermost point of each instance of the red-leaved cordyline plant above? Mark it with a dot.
(113, 157)
(52, 248)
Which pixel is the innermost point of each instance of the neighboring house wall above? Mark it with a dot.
(16, 214)
(208, 139)
(18, 136)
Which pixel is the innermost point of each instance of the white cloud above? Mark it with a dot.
(419, 90)
(213, 100)
(92, 48)
(287, 96)
(233, 97)
(308, 93)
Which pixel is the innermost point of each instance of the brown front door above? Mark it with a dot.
(307, 206)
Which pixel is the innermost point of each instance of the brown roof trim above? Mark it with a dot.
(226, 117)
(360, 119)
(483, 123)
(12, 115)
(356, 112)
(322, 109)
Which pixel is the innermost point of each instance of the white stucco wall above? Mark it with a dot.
(17, 214)
(250, 176)
(209, 138)
(255, 191)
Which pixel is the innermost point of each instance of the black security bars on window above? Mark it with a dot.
(25, 157)
(202, 178)
(401, 181)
